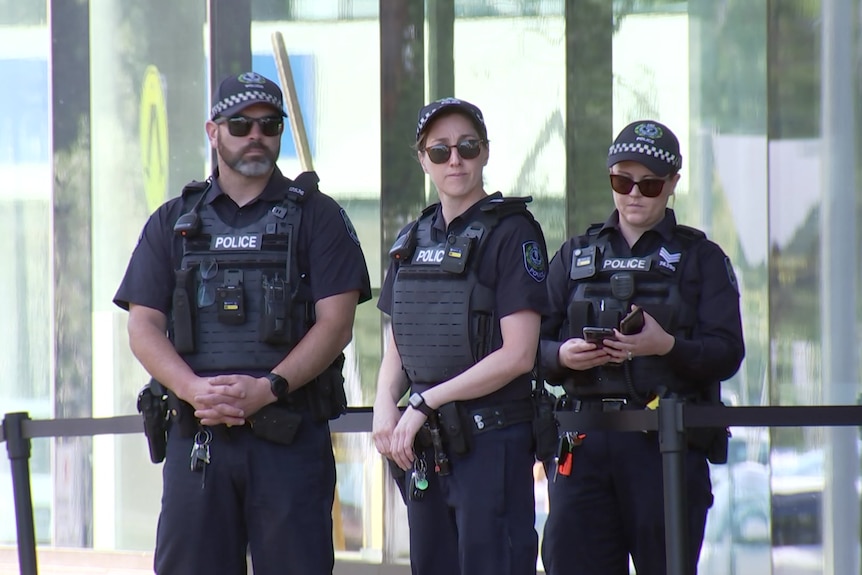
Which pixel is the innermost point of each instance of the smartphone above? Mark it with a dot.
(597, 334)
(633, 322)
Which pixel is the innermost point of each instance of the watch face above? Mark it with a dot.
(417, 402)
(278, 385)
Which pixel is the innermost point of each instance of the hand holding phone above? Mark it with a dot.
(633, 322)
(597, 334)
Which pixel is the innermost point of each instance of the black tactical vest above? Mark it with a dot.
(246, 304)
(604, 287)
(444, 321)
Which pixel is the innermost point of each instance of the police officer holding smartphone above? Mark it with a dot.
(681, 334)
(241, 296)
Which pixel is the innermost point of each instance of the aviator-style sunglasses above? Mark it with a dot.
(240, 126)
(649, 187)
(467, 149)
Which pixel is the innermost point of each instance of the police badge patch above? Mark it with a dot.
(731, 275)
(351, 231)
(534, 262)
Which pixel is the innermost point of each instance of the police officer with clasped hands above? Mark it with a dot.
(241, 296)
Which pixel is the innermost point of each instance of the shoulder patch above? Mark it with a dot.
(351, 231)
(534, 261)
(731, 275)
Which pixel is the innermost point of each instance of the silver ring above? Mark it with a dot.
(630, 355)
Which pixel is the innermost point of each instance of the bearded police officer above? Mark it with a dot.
(465, 291)
(241, 296)
(667, 299)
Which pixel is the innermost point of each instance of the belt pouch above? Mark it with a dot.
(453, 428)
(545, 427)
(276, 423)
(326, 396)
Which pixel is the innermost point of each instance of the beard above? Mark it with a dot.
(250, 167)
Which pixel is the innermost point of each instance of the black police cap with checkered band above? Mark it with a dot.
(649, 143)
(236, 93)
(434, 109)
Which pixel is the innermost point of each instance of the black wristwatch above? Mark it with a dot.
(417, 402)
(278, 385)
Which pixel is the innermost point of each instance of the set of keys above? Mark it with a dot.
(568, 441)
(418, 479)
(200, 455)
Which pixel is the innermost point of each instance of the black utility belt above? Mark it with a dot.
(605, 404)
(500, 416)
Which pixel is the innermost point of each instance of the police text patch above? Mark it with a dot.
(627, 264)
(236, 242)
(428, 256)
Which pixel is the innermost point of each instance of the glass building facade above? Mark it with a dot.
(101, 120)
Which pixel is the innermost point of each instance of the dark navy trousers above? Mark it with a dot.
(480, 519)
(272, 500)
(612, 506)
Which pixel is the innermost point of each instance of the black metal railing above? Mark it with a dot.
(670, 420)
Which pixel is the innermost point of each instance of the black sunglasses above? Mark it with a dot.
(649, 187)
(240, 126)
(468, 150)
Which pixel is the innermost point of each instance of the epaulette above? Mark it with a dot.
(195, 187)
(502, 207)
(593, 229)
(303, 185)
(689, 232)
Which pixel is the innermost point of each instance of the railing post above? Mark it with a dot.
(18, 448)
(671, 437)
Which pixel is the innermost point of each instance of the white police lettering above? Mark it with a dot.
(239, 242)
(428, 256)
(637, 264)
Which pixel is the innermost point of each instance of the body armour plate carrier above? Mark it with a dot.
(443, 319)
(240, 304)
(606, 285)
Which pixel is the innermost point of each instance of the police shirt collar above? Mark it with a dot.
(664, 228)
(272, 192)
(440, 225)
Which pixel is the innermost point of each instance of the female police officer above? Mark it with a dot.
(465, 291)
(605, 502)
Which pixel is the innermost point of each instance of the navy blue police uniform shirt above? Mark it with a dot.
(328, 250)
(502, 265)
(716, 348)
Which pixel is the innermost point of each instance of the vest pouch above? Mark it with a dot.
(274, 327)
(182, 313)
(230, 300)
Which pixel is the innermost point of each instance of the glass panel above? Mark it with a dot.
(338, 88)
(25, 215)
(149, 94)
